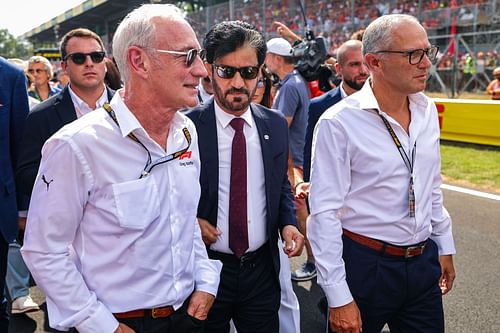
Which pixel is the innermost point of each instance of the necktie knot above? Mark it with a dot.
(237, 124)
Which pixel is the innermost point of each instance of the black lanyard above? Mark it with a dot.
(409, 164)
(150, 164)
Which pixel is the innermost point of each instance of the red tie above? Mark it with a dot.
(238, 231)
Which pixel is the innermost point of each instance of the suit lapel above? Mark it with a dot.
(64, 107)
(265, 138)
(208, 148)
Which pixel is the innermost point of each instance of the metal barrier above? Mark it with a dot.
(472, 121)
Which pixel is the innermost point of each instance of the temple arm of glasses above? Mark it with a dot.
(172, 52)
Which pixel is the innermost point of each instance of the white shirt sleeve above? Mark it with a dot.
(57, 204)
(206, 271)
(330, 182)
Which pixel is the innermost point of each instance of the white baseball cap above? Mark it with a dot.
(279, 46)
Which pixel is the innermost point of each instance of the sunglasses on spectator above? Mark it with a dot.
(190, 55)
(79, 58)
(228, 72)
(416, 56)
(37, 70)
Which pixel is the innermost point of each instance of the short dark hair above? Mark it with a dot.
(79, 32)
(228, 36)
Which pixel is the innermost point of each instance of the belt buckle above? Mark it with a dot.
(153, 313)
(408, 250)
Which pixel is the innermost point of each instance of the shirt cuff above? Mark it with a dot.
(99, 321)
(445, 244)
(337, 295)
(22, 213)
(208, 281)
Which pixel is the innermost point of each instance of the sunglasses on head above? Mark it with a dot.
(79, 57)
(228, 72)
(190, 55)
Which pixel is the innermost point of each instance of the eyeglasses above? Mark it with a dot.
(416, 56)
(228, 72)
(37, 70)
(79, 58)
(190, 54)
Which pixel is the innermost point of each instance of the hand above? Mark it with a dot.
(294, 241)
(285, 32)
(200, 304)
(302, 190)
(21, 222)
(346, 319)
(122, 328)
(209, 233)
(447, 273)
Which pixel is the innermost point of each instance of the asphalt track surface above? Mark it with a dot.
(471, 307)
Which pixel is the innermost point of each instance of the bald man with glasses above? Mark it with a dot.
(380, 234)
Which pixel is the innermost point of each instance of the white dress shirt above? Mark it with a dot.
(256, 193)
(359, 182)
(82, 108)
(135, 243)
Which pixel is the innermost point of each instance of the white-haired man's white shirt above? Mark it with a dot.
(137, 242)
(359, 182)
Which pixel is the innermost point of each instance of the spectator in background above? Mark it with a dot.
(62, 79)
(41, 69)
(263, 94)
(493, 88)
(112, 79)
(13, 111)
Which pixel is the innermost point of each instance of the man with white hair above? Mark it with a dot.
(125, 198)
(380, 234)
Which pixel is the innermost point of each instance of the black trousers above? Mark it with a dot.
(178, 322)
(402, 293)
(249, 293)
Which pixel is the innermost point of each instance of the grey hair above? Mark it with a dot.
(137, 29)
(378, 35)
(46, 63)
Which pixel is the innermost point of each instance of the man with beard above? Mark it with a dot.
(246, 198)
(354, 73)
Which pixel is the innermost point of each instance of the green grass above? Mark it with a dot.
(471, 166)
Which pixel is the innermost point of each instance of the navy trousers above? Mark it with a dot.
(402, 293)
(249, 293)
(4, 315)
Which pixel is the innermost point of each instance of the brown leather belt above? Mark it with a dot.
(406, 252)
(162, 312)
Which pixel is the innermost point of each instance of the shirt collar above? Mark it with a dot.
(77, 101)
(369, 102)
(343, 94)
(128, 122)
(225, 118)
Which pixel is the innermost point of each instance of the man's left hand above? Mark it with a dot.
(447, 273)
(200, 304)
(294, 241)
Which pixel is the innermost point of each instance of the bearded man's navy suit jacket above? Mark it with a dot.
(273, 133)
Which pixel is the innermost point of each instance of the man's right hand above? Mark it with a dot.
(209, 233)
(122, 328)
(345, 319)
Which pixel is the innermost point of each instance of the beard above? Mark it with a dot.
(353, 84)
(238, 103)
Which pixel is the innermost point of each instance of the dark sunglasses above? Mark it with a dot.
(79, 58)
(228, 72)
(190, 55)
(38, 70)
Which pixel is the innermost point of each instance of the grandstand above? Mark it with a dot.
(463, 29)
